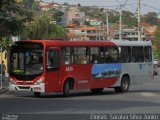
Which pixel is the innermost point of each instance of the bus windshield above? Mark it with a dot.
(29, 62)
(26, 62)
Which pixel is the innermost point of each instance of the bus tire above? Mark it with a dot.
(37, 94)
(66, 89)
(125, 83)
(97, 90)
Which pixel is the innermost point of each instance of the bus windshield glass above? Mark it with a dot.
(26, 61)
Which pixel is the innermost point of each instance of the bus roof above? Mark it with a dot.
(132, 43)
(71, 43)
(91, 43)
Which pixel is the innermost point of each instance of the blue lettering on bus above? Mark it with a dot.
(140, 66)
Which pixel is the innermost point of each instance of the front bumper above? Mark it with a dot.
(33, 88)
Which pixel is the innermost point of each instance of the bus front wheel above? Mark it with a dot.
(125, 83)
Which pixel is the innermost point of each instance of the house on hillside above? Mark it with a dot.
(44, 6)
(74, 13)
(88, 32)
(130, 34)
(149, 31)
(95, 22)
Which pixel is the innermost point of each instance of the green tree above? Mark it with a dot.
(79, 5)
(156, 41)
(85, 8)
(57, 15)
(151, 18)
(113, 17)
(129, 19)
(43, 28)
(87, 23)
(28, 3)
(35, 5)
(12, 18)
(66, 3)
(76, 21)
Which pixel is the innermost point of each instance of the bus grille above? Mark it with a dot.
(22, 87)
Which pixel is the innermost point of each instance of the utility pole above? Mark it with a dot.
(120, 24)
(107, 25)
(139, 21)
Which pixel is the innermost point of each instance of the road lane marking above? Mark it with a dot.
(149, 94)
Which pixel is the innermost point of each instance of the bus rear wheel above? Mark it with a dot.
(125, 83)
(97, 90)
(37, 94)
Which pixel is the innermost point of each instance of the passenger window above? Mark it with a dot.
(147, 54)
(125, 54)
(94, 54)
(111, 54)
(137, 54)
(97, 55)
(81, 55)
(67, 55)
(101, 55)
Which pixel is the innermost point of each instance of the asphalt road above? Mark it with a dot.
(140, 99)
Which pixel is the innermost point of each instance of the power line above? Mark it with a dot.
(151, 7)
(122, 5)
(116, 7)
(120, 17)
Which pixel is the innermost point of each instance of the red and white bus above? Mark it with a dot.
(44, 66)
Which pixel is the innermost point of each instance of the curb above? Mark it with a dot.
(3, 90)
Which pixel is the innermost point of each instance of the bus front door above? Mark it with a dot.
(52, 74)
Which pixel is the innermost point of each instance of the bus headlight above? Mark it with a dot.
(39, 81)
(12, 81)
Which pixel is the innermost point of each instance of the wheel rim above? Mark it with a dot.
(125, 84)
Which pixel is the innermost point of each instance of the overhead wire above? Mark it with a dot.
(150, 7)
(125, 4)
(122, 5)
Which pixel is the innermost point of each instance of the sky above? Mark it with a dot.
(131, 5)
